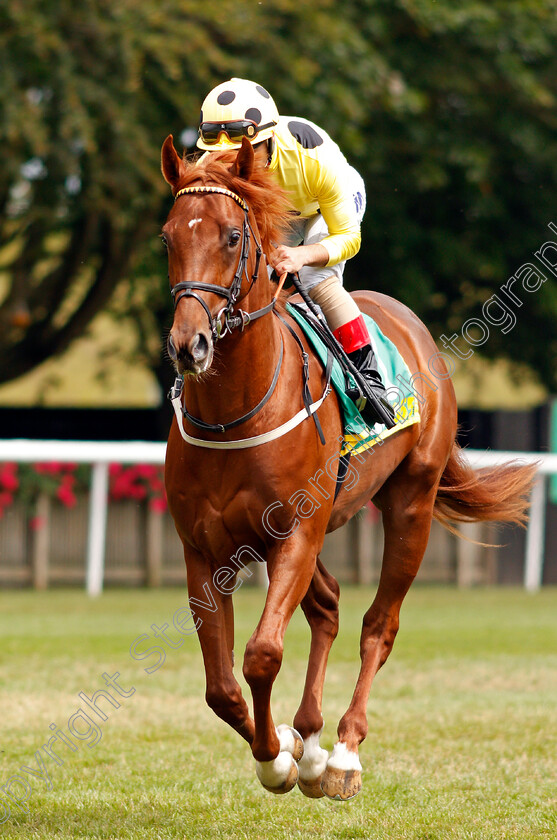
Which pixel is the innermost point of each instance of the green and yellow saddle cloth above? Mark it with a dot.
(395, 375)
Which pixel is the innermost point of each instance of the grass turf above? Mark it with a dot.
(462, 722)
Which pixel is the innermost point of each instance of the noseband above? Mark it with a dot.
(232, 292)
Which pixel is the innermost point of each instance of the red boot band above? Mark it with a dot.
(353, 335)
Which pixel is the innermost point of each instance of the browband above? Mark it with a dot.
(217, 190)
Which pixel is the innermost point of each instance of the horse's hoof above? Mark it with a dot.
(341, 785)
(311, 788)
(279, 775)
(312, 766)
(290, 740)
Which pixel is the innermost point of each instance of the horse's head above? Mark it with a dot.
(212, 250)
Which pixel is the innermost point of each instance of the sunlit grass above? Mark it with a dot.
(462, 722)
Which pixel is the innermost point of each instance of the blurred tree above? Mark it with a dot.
(458, 140)
(87, 95)
(447, 109)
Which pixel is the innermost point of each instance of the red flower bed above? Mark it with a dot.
(140, 481)
(24, 482)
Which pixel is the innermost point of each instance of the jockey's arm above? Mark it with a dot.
(293, 259)
(336, 204)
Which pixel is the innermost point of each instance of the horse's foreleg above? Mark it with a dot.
(320, 606)
(406, 524)
(290, 565)
(214, 619)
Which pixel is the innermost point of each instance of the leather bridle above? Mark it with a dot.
(231, 293)
(231, 321)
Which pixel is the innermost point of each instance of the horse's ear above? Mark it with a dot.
(172, 165)
(243, 165)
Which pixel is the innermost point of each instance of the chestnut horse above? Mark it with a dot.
(232, 502)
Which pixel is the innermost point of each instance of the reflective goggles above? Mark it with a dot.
(210, 132)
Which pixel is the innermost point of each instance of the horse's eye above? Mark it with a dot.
(234, 238)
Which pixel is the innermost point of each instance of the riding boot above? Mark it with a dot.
(355, 340)
(364, 361)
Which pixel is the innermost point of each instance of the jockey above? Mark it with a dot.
(327, 195)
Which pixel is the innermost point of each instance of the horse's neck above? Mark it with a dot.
(242, 368)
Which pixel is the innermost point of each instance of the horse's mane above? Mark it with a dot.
(262, 194)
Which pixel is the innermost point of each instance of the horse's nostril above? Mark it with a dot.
(172, 352)
(192, 356)
(199, 348)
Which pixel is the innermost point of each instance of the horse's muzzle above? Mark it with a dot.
(192, 357)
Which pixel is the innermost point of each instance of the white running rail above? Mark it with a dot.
(100, 454)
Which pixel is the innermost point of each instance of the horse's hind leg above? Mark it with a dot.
(407, 513)
(320, 606)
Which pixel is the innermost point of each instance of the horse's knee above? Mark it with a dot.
(262, 661)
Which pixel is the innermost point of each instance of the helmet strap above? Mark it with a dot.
(270, 150)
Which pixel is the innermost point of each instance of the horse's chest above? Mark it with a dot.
(217, 521)
(220, 504)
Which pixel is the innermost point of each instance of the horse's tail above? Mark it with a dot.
(498, 494)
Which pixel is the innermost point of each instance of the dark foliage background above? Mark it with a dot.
(447, 109)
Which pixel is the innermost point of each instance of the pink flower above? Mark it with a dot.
(6, 498)
(138, 492)
(122, 486)
(37, 523)
(145, 471)
(53, 467)
(8, 480)
(66, 496)
(158, 504)
(138, 482)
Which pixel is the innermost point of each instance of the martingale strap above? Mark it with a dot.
(309, 409)
(257, 440)
(305, 373)
(223, 427)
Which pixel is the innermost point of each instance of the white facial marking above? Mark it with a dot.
(194, 222)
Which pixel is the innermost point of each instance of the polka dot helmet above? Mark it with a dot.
(234, 110)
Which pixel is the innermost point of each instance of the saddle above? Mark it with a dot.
(356, 385)
(358, 435)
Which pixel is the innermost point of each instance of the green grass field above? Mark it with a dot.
(462, 741)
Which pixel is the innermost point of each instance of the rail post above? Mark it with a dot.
(97, 529)
(535, 536)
